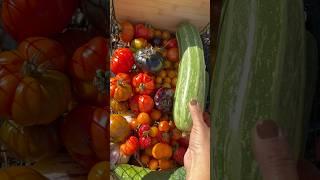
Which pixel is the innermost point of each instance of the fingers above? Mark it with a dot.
(196, 115)
(272, 152)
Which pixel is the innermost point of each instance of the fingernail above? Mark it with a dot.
(193, 102)
(267, 129)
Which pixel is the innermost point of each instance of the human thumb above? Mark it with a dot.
(197, 116)
(272, 152)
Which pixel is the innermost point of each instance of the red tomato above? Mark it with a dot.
(100, 134)
(127, 31)
(173, 54)
(23, 19)
(134, 104)
(143, 83)
(122, 60)
(141, 32)
(76, 135)
(146, 103)
(89, 58)
(172, 43)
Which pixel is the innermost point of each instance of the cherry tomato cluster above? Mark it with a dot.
(143, 86)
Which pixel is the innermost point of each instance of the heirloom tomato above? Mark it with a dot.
(143, 83)
(122, 60)
(27, 18)
(33, 71)
(120, 90)
(119, 128)
(89, 58)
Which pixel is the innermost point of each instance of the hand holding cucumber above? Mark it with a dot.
(270, 146)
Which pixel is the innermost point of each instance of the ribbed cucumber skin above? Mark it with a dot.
(259, 74)
(191, 83)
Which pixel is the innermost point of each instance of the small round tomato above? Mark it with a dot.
(164, 126)
(166, 35)
(145, 103)
(153, 164)
(166, 164)
(141, 31)
(139, 43)
(143, 118)
(153, 131)
(143, 83)
(134, 124)
(127, 31)
(155, 114)
(122, 60)
(173, 54)
(172, 43)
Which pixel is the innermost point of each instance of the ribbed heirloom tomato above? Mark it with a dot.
(120, 90)
(32, 90)
(122, 60)
(26, 18)
(143, 83)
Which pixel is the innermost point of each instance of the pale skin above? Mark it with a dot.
(270, 147)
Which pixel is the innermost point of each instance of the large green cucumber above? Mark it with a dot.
(191, 77)
(259, 74)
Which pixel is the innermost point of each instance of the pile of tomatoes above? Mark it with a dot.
(142, 130)
(53, 85)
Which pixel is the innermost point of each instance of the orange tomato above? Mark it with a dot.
(153, 164)
(134, 124)
(165, 164)
(120, 91)
(155, 114)
(164, 126)
(162, 151)
(154, 131)
(143, 118)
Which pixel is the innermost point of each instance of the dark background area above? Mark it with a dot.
(312, 149)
